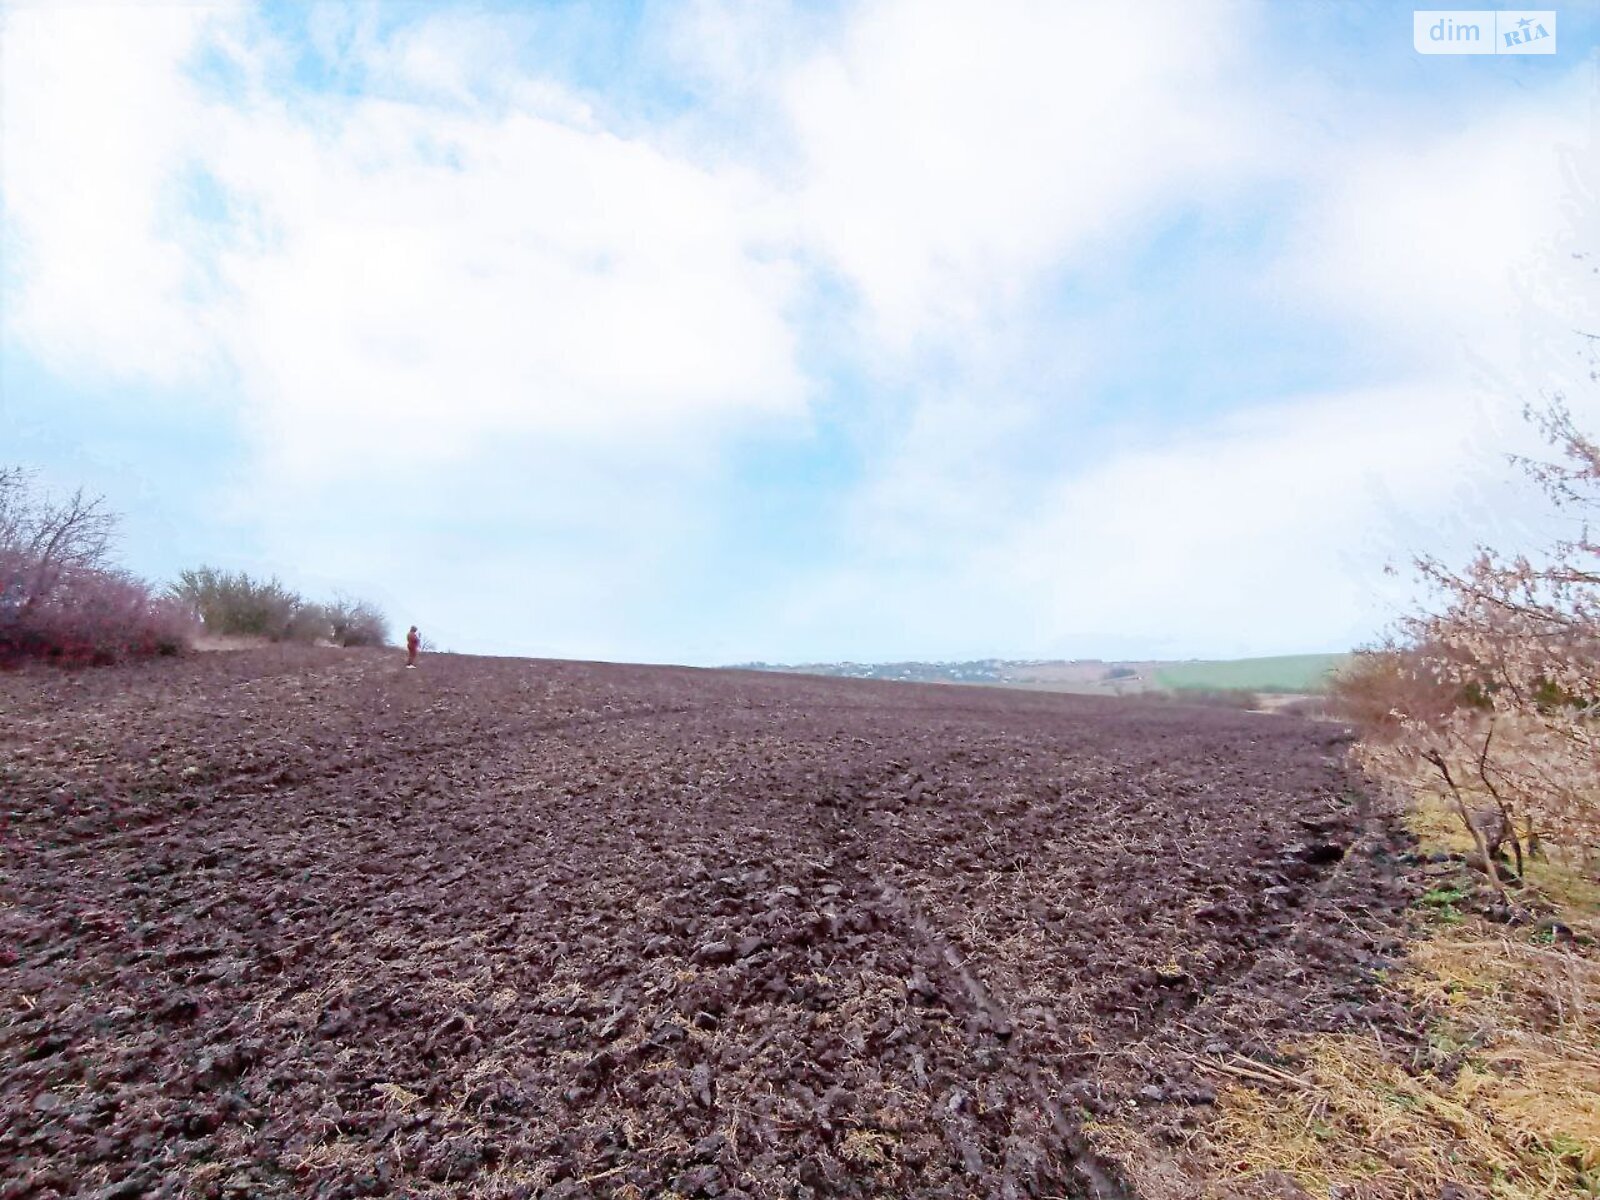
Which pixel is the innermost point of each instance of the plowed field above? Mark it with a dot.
(304, 923)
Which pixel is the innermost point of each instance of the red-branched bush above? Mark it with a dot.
(61, 598)
(92, 616)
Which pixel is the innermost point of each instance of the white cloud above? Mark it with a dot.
(1269, 524)
(1264, 531)
(1269, 530)
(462, 259)
(950, 162)
(94, 133)
(410, 276)
(1419, 233)
(469, 276)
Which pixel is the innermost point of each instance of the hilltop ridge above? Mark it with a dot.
(1296, 673)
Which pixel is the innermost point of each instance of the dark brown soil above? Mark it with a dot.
(304, 923)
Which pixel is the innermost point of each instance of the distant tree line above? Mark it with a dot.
(234, 604)
(64, 599)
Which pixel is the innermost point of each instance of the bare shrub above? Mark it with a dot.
(1313, 708)
(240, 605)
(43, 540)
(60, 599)
(1492, 697)
(1380, 686)
(1239, 698)
(310, 623)
(357, 623)
(99, 616)
(234, 603)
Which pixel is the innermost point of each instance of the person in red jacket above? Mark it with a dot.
(413, 644)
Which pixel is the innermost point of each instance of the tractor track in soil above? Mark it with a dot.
(1096, 1179)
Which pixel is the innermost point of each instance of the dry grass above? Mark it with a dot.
(1504, 1103)
(402, 1098)
(1507, 1101)
(212, 642)
(1516, 1120)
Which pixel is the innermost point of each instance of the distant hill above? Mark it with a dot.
(1283, 673)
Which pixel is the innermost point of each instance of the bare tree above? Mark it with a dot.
(61, 597)
(43, 540)
(1496, 697)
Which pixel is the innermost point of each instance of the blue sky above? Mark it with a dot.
(707, 332)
